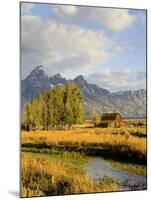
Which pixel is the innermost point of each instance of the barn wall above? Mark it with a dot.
(116, 123)
(103, 125)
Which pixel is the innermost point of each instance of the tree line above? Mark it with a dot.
(58, 108)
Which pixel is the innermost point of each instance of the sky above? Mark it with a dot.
(105, 45)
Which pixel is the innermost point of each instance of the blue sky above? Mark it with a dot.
(42, 10)
(102, 44)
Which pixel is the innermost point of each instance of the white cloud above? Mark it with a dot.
(112, 19)
(74, 40)
(68, 49)
(117, 19)
(26, 7)
(66, 10)
(119, 80)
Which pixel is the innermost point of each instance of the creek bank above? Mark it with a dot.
(98, 168)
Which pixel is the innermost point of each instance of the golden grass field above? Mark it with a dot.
(41, 176)
(46, 174)
(122, 139)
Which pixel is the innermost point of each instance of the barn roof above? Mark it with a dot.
(109, 116)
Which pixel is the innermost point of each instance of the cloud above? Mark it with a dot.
(75, 40)
(67, 49)
(126, 79)
(117, 19)
(112, 19)
(26, 7)
(66, 10)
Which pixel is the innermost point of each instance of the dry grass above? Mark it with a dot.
(44, 174)
(108, 138)
(41, 176)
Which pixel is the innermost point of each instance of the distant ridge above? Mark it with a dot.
(131, 103)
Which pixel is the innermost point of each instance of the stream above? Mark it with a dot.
(98, 168)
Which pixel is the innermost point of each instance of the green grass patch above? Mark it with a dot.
(129, 167)
(73, 159)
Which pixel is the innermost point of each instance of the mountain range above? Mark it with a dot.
(130, 103)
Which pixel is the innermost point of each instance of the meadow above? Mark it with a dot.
(52, 161)
(124, 143)
(44, 175)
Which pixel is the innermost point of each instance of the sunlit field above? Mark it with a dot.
(45, 175)
(126, 141)
(52, 161)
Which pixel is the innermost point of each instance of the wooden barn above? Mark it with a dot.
(113, 120)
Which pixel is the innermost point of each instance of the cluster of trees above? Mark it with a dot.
(58, 108)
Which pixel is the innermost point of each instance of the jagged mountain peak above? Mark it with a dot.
(129, 103)
(57, 79)
(80, 77)
(37, 69)
(80, 80)
(57, 76)
(37, 73)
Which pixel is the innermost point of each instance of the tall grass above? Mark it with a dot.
(41, 176)
(116, 141)
(52, 170)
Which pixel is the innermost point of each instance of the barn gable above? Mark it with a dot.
(110, 116)
(111, 120)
